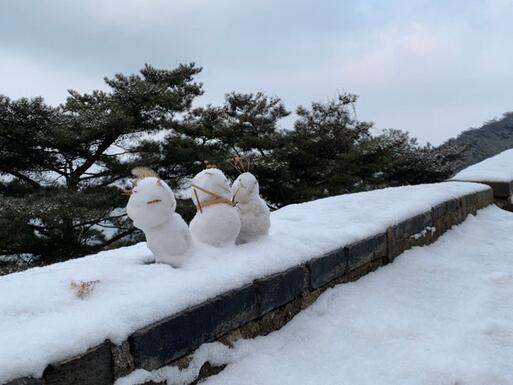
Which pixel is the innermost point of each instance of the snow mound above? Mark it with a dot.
(498, 168)
(42, 320)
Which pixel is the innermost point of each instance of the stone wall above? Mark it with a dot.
(502, 192)
(258, 308)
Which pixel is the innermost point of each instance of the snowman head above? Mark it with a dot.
(245, 188)
(210, 180)
(150, 203)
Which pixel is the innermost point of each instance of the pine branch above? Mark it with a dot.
(106, 143)
(25, 178)
(116, 238)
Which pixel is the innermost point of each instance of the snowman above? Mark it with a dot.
(216, 222)
(152, 207)
(254, 214)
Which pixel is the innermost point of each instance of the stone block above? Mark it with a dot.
(361, 252)
(471, 200)
(501, 189)
(508, 207)
(485, 198)
(439, 211)
(453, 205)
(327, 268)
(278, 289)
(469, 204)
(123, 362)
(162, 342)
(223, 313)
(94, 367)
(412, 225)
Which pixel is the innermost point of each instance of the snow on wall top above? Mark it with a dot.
(43, 321)
(498, 168)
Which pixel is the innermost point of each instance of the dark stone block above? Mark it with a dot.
(26, 381)
(364, 251)
(161, 342)
(412, 225)
(508, 207)
(453, 205)
(501, 189)
(326, 268)
(278, 289)
(175, 336)
(94, 367)
(228, 311)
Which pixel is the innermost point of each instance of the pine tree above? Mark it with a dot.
(323, 153)
(245, 126)
(402, 161)
(63, 168)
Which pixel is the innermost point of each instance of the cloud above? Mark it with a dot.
(431, 67)
(21, 76)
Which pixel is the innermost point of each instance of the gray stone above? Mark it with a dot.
(167, 340)
(412, 225)
(94, 367)
(485, 198)
(208, 370)
(439, 210)
(327, 268)
(453, 205)
(470, 203)
(122, 359)
(442, 209)
(364, 251)
(278, 289)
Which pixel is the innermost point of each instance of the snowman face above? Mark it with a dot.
(150, 203)
(211, 179)
(245, 188)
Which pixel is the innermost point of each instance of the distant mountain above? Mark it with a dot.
(488, 140)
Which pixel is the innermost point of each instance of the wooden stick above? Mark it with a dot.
(197, 200)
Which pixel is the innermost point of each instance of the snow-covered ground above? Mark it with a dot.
(43, 321)
(498, 168)
(439, 315)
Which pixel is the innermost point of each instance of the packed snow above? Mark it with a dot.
(255, 216)
(42, 320)
(495, 169)
(214, 224)
(167, 234)
(439, 315)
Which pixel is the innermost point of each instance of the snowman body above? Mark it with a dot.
(217, 222)
(152, 207)
(254, 214)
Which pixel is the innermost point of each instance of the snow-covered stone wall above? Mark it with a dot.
(150, 315)
(497, 172)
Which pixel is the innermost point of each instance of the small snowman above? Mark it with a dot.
(254, 214)
(152, 207)
(216, 222)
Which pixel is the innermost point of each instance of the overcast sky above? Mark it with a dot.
(433, 68)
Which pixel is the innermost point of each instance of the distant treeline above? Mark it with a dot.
(63, 169)
(488, 140)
